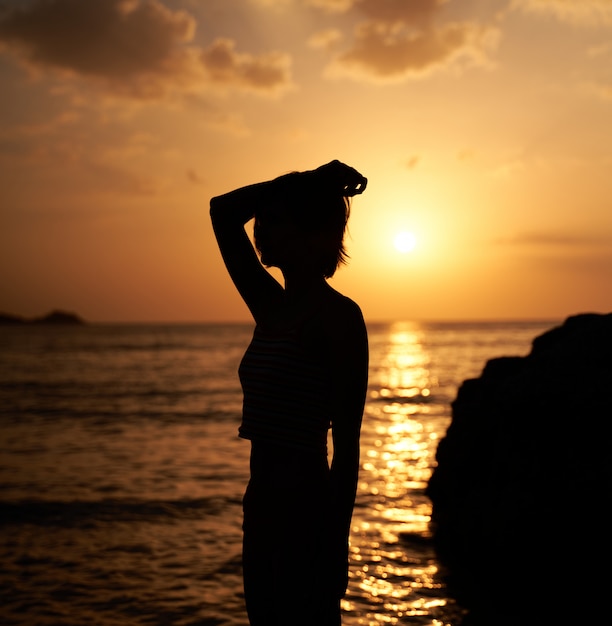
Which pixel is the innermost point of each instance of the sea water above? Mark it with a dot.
(121, 473)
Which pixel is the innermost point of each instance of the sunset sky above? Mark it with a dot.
(483, 126)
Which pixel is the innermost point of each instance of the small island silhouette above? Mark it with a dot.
(54, 317)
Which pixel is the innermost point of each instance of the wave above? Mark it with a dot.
(81, 513)
(414, 398)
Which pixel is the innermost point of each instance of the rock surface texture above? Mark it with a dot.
(522, 490)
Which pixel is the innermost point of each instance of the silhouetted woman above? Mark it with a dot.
(304, 371)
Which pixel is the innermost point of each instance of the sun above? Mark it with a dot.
(404, 242)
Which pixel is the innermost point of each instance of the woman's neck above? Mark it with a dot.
(303, 285)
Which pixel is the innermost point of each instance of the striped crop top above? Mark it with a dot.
(286, 392)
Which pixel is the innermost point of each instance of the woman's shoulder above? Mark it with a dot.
(337, 303)
(336, 326)
(341, 314)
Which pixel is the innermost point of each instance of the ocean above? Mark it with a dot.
(121, 473)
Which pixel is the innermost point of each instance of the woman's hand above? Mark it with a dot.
(342, 177)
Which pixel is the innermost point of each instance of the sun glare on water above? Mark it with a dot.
(404, 242)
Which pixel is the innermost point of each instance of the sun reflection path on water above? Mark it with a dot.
(393, 577)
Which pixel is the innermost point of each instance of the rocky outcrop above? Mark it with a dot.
(54, 317)
(522, 490)
(9, 318)
(59, 317)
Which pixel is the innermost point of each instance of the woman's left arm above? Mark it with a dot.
(349, 361)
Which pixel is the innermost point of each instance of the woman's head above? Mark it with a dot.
(310, 210)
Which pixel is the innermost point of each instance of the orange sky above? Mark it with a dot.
(484, 127)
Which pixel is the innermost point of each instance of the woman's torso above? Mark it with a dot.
(285, 378)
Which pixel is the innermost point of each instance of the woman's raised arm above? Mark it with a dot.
(230, 213)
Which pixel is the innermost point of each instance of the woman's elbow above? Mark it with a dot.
(214, 206)
(216, 209)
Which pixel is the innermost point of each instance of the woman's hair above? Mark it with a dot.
(315, 207)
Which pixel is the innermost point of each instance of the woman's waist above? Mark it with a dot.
(287, 462)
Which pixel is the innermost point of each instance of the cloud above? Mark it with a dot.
(332, 6)
(59, 154)
(194, 177)
(386, 53)
(465, 155)
(413, 161)
(108, 38)
(509, 168)
(397, 40)
(136, 48)
(228, 123)
(408, 11)
(416, 12)
(108, 178)
(602, 91)
(600, 50)
(583, 12)
(269, 72)
(271, 4)
(593, 267)
(557, 239)
(326, 39)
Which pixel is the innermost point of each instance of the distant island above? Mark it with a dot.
(54, 317)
